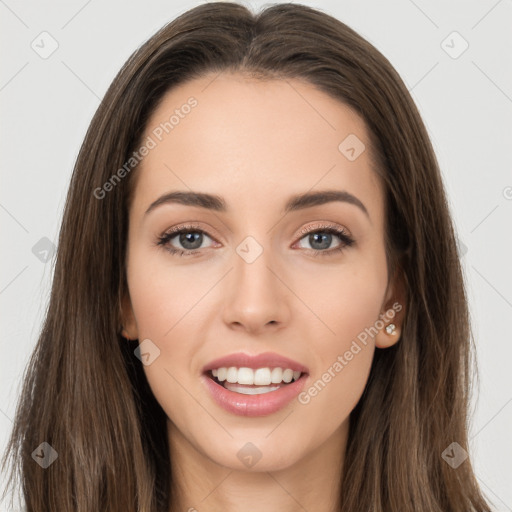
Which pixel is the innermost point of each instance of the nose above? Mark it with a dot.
(257, 300)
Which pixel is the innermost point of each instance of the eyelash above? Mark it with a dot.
(346, 241)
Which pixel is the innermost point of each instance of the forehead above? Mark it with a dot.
(252, 140)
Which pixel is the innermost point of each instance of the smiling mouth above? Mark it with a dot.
(228, 374)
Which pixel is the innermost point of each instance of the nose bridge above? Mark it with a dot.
(256, 296)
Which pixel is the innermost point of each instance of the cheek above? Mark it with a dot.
(163, 294)
(345, 298)
(165, 301)
(348, 303)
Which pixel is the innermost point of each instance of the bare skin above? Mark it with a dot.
(256, 144)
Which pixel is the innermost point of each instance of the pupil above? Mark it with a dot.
(326, 240)
(191, 238)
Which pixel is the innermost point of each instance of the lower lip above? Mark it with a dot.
(254, 405)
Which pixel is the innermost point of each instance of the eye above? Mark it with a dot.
(320, 239)
(190, 238)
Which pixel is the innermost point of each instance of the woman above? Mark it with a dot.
(257, 300)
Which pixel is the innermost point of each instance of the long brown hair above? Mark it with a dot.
(85, 393)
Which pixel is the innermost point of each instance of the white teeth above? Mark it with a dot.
(232, 375)
(258, 377)
(262, 377)
(288, 375)
(245, 376)
(277, 375)
(222, 373)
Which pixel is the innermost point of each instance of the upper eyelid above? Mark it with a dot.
(326, 226)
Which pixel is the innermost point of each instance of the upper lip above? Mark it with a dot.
(266, 359)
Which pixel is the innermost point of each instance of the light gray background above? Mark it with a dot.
(466, 103)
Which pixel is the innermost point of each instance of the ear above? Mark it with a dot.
(129, 328)
(393, 311)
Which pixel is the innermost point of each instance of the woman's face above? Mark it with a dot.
(257, 282)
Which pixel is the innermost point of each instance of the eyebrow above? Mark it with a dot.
(294, 203)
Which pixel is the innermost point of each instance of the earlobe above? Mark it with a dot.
(393, 313)
(388, 335)
(129, 328)
(124, 334)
